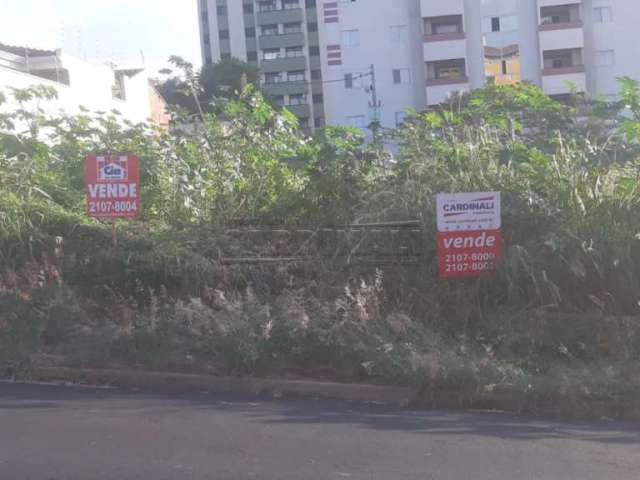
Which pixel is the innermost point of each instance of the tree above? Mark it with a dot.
(225, 79)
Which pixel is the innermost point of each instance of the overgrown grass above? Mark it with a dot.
(558, 320)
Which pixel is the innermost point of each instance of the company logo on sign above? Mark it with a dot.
(112, 169)
(476, 206)
(469, 211)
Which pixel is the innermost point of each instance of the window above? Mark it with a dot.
(222, 10)
(316, 74)
(290, 4)
(250, 32)
(295, 76)
(271, 53)
(247, 8)
(304, 122)
(507, 23)
(401, 75)
(319, 121)
(314, 51)
(350, 38)
(269, 30)
(312, 26)
(398, 33)
(207, 39)
(295, 27)
(223, 34)
(272, 77)
(267, 6)
(602, 15)
(504, 67)
(294, 52)
(605, 58)
(348, 80)
(252, 56)
(310, 3)
(400, 118)
(299, 99)
(318, 98)
(278, 100)
(357, 121)
(225, 56)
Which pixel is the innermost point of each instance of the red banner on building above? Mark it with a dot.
(112, 186)
(470, 253)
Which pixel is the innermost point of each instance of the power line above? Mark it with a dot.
(321, 82)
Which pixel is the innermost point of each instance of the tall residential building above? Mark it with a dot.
(415, 53)
(278, 36)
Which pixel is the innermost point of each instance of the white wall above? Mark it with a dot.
(90, 87)
(620, 36)
(373, 19)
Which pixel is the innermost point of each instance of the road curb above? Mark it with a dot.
(162, 382)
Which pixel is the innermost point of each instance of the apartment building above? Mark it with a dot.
(278, 36)
(416, 53)
(559, 45)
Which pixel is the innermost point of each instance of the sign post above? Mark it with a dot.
(112, 186)
(469, 238)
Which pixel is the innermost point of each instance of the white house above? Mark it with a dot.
(78, 83)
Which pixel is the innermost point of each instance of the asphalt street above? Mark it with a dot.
(64, 433)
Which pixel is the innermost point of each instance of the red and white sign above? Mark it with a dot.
(112, 186)
(469, 254)
(468, 211)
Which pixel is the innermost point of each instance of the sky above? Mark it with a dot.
(122, 31)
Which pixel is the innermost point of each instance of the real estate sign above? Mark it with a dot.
(468, 211)
(469, 236)
(112, 186)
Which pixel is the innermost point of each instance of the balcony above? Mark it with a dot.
(282, 40)
(563, 71)
(431, 8)
(561, 27)
(280, 16)
(445, 77)
(276, 89)
(283, 64)
(447, 27)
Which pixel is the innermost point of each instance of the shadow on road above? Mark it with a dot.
(33, 398)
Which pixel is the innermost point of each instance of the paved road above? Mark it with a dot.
(60, 433)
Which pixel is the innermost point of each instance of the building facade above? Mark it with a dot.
(278, 36)
(367, 60)
(78, 84)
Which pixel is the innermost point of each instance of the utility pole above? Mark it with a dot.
(374, 104)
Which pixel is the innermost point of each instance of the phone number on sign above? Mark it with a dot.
(468, 267)
(112, 207)
(469, 257)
